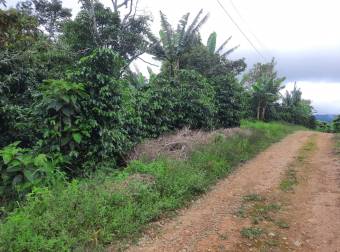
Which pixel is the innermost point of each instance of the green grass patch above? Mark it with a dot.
(258, 209)
(89, 214)
(290, 180)
(287, 184)
(261, 211)
(281, 224)
(251, 232)
(253, 197)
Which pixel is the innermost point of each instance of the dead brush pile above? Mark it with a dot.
(179, 144)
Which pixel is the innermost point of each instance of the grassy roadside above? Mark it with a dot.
(92, 213)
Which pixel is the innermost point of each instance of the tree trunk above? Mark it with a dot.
(263, 112)
(258, 112)
(94, 22)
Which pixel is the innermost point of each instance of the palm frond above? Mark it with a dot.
(166, 34)
(230, 51)
(195, 21)
(180, 32)
(201, 22)
(155, 48)
(194, 27)
(211, 43)
(223, 45)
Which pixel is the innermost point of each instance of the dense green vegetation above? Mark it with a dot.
(88, 213)
(329, 127)
(71, 109)
(68, 93)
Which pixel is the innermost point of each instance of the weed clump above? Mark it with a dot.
(252, 232)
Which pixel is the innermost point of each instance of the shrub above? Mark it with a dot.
(336, 124)
(194, 105)
(185, 100)
(21, 169)
(60, 116)
(228, 100)
(155, 108)
(110, 108)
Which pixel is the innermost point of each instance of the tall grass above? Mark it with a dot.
(91, 213)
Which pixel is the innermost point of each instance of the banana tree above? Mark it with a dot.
(211, 45)
(173, 43)
(265, 92)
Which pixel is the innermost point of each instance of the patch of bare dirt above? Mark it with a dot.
(179, 144)
(210, 223)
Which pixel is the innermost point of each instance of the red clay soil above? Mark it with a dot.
(210, 223)
(315, 212)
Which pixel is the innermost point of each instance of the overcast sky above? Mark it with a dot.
(303, 36)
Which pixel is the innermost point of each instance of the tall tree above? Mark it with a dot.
(295, 109)
(98, 26)
(173, 43)
(264, 85)
(211, 62)
(49, 13)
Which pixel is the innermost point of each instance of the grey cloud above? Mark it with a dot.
(317, 65)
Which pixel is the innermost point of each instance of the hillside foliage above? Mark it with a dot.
(68, 93)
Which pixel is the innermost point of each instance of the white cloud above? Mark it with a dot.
(324, 95)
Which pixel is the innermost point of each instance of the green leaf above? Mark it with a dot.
(40, 160)
(29, 175)
(211, 44)
(77, 137)
(14, 167)
(67, 111)
(54, 105)
(7, 157)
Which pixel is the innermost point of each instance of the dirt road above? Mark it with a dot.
(311, 210)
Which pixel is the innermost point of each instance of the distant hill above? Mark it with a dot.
(325, 117)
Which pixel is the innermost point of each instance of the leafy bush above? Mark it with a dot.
(155, 105)
(194, 105)
(110, 109)
(323, 126)
(336, 124)
(228, 100)
(186, 100)
(22, 169)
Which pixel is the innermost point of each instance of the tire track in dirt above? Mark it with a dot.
(210, 224)
(315, 212)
